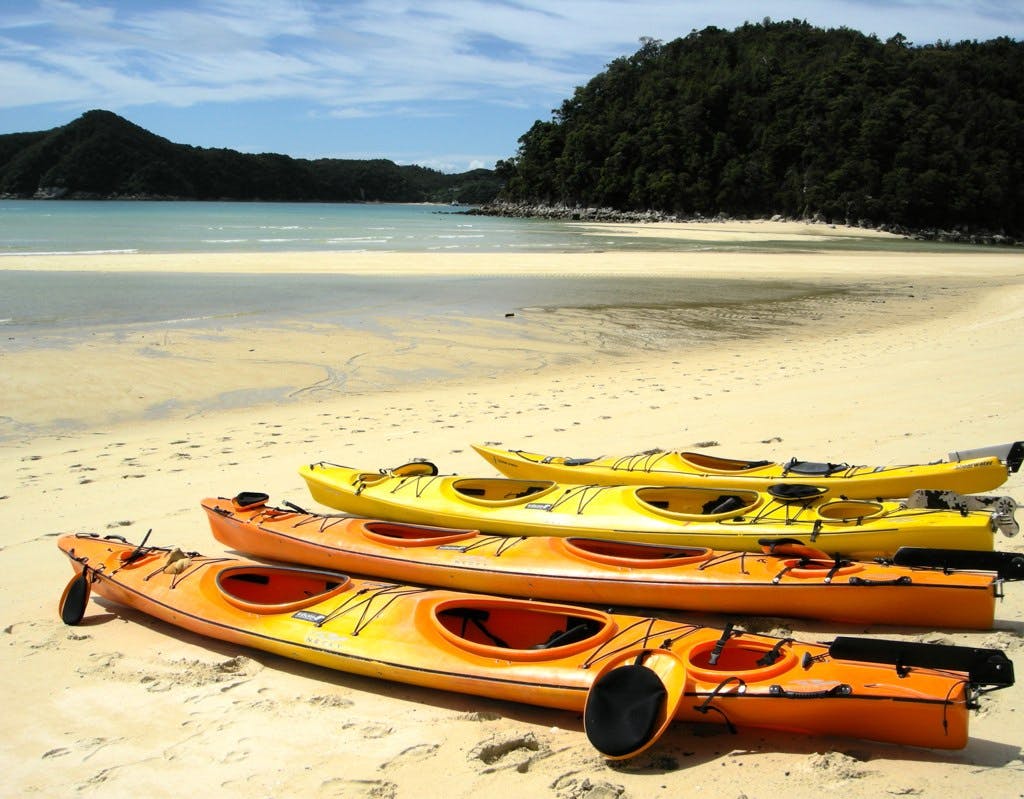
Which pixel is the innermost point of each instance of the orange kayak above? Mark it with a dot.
(553, 655)
(791, 581)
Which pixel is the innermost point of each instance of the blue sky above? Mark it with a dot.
(449, 84)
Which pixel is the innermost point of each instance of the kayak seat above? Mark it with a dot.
(622, 709)
(811, 468)
(528, 491)
(574, 633)
(705, 461)
(790, 492)
(499, 489)
(722, 504)
(476, 617)
(247, 500)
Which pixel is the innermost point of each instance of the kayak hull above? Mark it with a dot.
(677, 515)
(523, 651)
(968, 476)
(607, 573)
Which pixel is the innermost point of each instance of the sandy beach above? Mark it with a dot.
(926, 362)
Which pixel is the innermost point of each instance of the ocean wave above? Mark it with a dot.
(69, 252)
(200, 318)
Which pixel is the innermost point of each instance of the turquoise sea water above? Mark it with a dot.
(69, 302)
(42, 227)
(48, 227)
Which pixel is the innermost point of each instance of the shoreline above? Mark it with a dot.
(924, 363)
(129, 372)
(612, 216)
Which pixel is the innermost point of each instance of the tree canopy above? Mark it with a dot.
(100, 154)
(785, 118)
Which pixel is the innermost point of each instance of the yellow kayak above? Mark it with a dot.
(737, 519)
(961, 473)
(631, 676)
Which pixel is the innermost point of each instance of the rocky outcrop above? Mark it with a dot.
(571, 213)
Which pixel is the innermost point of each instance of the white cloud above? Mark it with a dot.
(360, 56)
(19, 86)
(360, 60)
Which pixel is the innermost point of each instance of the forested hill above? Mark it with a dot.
(784, 118)
(103, 155)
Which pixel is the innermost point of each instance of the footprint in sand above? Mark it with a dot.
(1007, 640)
(367, 731)
(235, 756)
(322, 700)
(572, 786)
(88, 747)
(836, 765)
(259, 706)
(413, 754)
(359, 789)
(163, 676)
(32, 635)
(510, 751)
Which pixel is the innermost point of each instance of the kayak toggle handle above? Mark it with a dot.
(902, 580)
(842, 689)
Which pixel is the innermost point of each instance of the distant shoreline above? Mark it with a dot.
(584, 214)
(613, 215)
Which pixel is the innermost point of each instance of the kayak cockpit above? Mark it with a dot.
(736, 655)
(713, 463)
(631, 554)
(413, 535)
(520, 630)
(499, 490)
(411, 469)
(850, 510)
(697, 502)
(269, 589)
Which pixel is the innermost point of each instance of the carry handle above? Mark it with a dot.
(842, 689)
